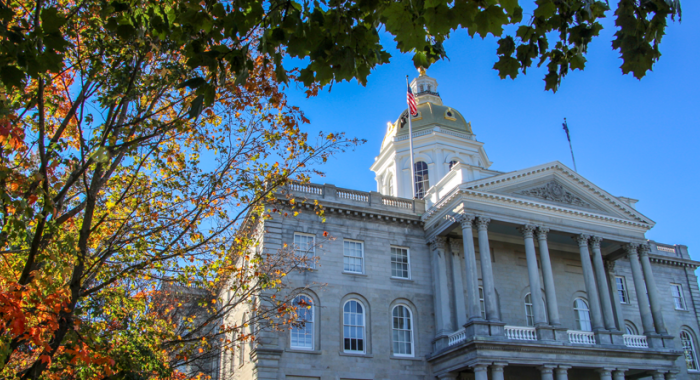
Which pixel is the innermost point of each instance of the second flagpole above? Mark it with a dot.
(410, 144)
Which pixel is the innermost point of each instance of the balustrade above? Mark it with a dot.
(520, 333)
(306, 188)
(398, 203)
(581, 337)
(637, 341)
(353, 195)
(457, 337)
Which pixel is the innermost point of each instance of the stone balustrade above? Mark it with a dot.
(520, 333)
(457, 337)
(581, 337)
(636, 341)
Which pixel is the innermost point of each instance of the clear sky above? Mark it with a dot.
(633, 138)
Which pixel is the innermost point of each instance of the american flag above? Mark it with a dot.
(411, 100)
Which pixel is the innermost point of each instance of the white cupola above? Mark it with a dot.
(442, 138)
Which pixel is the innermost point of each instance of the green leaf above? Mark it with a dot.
(507, 66)
(192, 83)
(196, 107)
(545, 9)
(11, 76)
(509, 5)
(51, 20)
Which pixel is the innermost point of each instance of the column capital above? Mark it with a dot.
(605, 371)
(482, 223)
(437, 242)
(610, 266)
(455, 244)
(631, 248)
(527, 230)
(466, 220)
(582, 240)
(644, 250)
(595, 240)
(547, 368)
(542, 233)
(498, 366)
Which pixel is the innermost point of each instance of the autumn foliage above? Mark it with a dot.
(131, 188)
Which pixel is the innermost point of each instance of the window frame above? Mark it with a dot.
(364, 328)
(631, 328)
(529, 309)
(408, 262)
(678, 297)
(622, 295)
(410, 329)
(306, 325)
(310, 254)
(482, 302)
(451, 164)
(577, 315)
(693, 347)
(422, 185)
(362, 256)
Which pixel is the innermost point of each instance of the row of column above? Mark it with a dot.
(645, 287)
(553, 372)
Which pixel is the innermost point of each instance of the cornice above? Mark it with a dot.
(672, 261)
(571, 175)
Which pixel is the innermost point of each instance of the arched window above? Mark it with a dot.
(630, 329)
(691, 357)
(302, 333)
(583, 316)
(402, 331)
(529, 313)
(389, 185)
(353, 327)
(420, 169)
(453, 163)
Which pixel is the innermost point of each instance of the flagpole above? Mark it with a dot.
(566, 128)
(410, 143)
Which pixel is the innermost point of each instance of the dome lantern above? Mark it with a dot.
(425, 89)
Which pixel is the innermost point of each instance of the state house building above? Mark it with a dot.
(531, 274)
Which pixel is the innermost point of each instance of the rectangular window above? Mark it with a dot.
(482, 306)
(304, 246)
(621, 289)
(678, 300)
(400, 264)
(353, 255)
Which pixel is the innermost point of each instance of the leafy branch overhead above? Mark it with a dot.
(340, 40)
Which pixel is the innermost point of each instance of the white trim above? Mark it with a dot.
(362, 257)
(408, 257)
(412, 329)
(313, 325)
(364, 327)
(624, 290)
(680, 296)
(311, 252)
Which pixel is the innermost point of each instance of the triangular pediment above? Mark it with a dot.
(556, 184)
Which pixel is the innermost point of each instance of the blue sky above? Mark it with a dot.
(633, 138)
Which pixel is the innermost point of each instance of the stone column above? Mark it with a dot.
(473, 308)
(481, 372)
(449, 376)
(547, 371)
(605, 373)
(458, 283)
(533, 274)
(617, 306)
(653, 292)
(443, 316)
(589, 279)
(497, 370)
(603, 289)
(548, 277)
(671, 375)
(642, 300)
(619, 374)
(562, 372)
(492, 314)
(657, 375)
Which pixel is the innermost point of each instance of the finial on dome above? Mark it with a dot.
(421, 71)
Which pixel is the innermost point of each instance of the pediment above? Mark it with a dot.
(556, 184)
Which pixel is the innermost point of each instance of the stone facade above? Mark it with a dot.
(524, 275)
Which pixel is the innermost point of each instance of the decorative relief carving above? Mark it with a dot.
(631, 248)
(555, 192)
(582, 240)
(437, 242)
(644, 249)
(542, 233)
(527, 230)
(595, 240)
(455, 246)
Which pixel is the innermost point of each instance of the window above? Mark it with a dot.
(302, 333)
(304, 246)
(420, 170)
(583, 316)
(621, 289)
(529, 314)
(691, 358)
(352, 256)
(402, 331)
(400, 263)
(453, 163)
(630, 329)
(353, 327)
(678, 300)
(390, 186)
(482, 305)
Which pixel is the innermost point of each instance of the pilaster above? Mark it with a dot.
(533, 274)
(589, 279)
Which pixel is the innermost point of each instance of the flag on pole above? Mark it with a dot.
(568, 137)
(412, 106)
